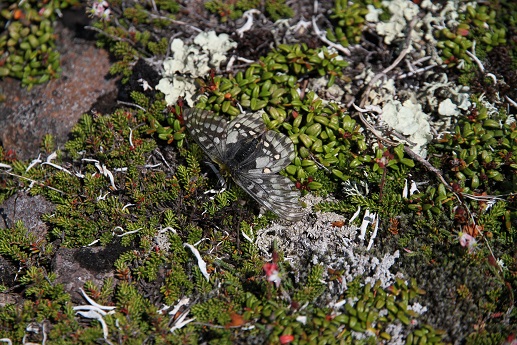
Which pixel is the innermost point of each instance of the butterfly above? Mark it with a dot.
(251, 154)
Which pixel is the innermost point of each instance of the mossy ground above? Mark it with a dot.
(133, 180)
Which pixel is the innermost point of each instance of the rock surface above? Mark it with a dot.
(54, 107)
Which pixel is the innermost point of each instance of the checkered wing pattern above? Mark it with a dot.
(209, 131)
(251, 154)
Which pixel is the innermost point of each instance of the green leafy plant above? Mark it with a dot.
(482, 151)
(27, 45)
(349, 21)
(475, 24)
(316, 129)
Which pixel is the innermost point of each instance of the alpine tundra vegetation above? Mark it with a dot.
(398, 118)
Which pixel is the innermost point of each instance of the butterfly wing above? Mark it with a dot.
(272, 151)
(209, 131)
(266, 152)
(273, 191)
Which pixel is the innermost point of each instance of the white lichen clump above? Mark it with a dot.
(192, 61)
(403, 12)
(409, 119)
(442, 99)
(318, 242)
(447, 108)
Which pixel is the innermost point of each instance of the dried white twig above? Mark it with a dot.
(414, 188)
(106, 173)
(229, 65)
(180, 322)
(92, 314)
(367, 219)
(476, 60)
(162, 158)
(90, 307)
(129, 104)
(95, 311)
(34, 163)
(102, 197)
(145, 85)
(250, 240)
(125, 233)
(28, 179)
(356, 214)
(200, 262)
(417, 71)
(181, 303)
(91, 243)
(131, 138)
(248, 61)
(35, 328)
(322, 35)
(249, 21)
(126, 206)
(89, 160)
(374, 234)
(512, 102)
(368, 108)
(491, 75)
(168, 229)
(302, 25)
(405, 190)
(49, 162)
(95, 304)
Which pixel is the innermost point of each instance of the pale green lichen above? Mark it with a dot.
(402, 12)
(447, 108)
(409, 119)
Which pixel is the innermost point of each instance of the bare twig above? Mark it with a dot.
(33, 181)
(178, 22)
(131, 105)
(323, 37)
(372, 129)
(476, 60)
(395, 63)
(115, 38)
(429, 167)
(417, 71)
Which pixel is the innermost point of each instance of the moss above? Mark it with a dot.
(468, 294)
